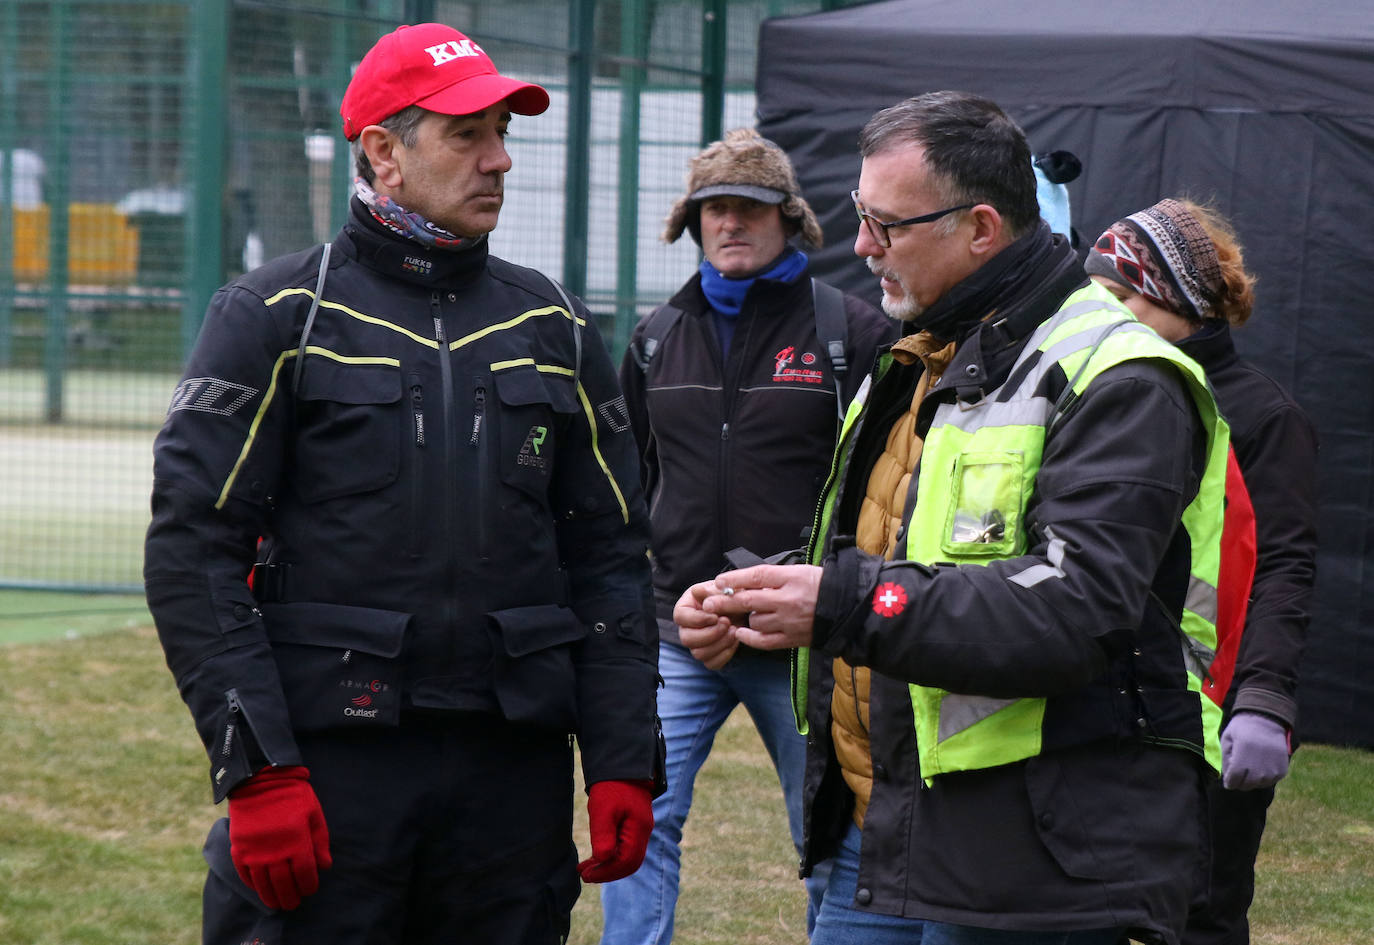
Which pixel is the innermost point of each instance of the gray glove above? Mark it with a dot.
(1254, 752)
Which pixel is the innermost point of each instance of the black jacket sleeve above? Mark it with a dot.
(1279, 461)
(216, 463)
(1116, 475)
(632, 384)
(603, 535)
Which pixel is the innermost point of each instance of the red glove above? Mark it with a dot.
(277, 837)
(622, 817)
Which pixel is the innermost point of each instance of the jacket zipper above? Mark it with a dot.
(478, 440)
(729, 384)
(237, 716)
(417, 430)
(450, 476)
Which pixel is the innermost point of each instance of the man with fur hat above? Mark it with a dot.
(432, 442)
(734, 388)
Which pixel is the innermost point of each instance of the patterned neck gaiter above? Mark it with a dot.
(401, 221)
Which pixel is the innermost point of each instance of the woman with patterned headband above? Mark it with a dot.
(1179, 268)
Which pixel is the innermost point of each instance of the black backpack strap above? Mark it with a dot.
(832, 328)
(310, 321)
(576, 330)
(657, 325)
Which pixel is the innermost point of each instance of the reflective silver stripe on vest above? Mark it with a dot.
(1030, 412)
(1087, 338)
(1197, 657)
(1202, 599)
(1043, 572)
(958, 712)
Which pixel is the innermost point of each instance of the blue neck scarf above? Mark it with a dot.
(726, 295)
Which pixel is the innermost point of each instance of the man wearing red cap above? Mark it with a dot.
(452, 580)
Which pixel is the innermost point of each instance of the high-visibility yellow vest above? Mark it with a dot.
(976, 476)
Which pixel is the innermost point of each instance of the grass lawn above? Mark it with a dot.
(104, 804)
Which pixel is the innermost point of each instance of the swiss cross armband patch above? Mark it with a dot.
(889, 599)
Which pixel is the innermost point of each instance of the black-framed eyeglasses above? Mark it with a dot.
(878, 229)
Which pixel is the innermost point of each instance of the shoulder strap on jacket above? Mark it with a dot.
(832, 328)
(576, 328)
(310, 321)
(657, 325)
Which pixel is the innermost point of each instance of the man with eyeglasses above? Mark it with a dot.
(1012, 587)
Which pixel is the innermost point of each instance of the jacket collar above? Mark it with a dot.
(1026, 296)
(1211, 346)
(385, 252)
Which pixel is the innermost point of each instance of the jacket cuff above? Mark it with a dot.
(845, 575)
(1280, 707)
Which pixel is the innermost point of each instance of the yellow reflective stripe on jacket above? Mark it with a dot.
(267, 398)
(587, 411)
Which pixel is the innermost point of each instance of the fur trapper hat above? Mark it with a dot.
(742, 164)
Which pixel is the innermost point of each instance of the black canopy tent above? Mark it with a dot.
(1265, 108)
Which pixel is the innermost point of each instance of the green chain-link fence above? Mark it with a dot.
(150, 151)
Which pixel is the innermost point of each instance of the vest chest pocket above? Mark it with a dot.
(984, 518)
(351, 424)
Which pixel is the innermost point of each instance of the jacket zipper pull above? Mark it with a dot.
(725, 430)
(479, 408)
(417, 409)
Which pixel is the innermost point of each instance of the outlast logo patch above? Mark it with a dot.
(783, 372)
(361, 706)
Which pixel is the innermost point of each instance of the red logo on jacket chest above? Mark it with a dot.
(783, 372)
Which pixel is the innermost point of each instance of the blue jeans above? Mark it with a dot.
(840, 923)
(694, 704)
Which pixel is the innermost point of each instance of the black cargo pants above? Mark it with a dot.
(449, 829)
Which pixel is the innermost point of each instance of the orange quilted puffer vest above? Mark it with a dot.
(880, 518)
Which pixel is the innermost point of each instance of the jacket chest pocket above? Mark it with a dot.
(535, 407)
(351, 423)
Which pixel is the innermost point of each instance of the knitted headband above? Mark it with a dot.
(1164, 254)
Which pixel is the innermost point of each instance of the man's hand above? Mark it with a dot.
(621, 817)
(778, 600)
(277, 836)
(1254, 752)
(710, 637)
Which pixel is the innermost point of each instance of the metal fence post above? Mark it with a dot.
(55, 331)
(9, 99)
(204, 139)
(713, 62)
(577, 187)
(634, 46)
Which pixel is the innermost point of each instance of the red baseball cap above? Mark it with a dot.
(433, 66)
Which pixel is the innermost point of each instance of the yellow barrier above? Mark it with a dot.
(102, 247)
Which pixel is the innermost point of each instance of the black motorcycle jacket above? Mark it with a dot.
(447, 496)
